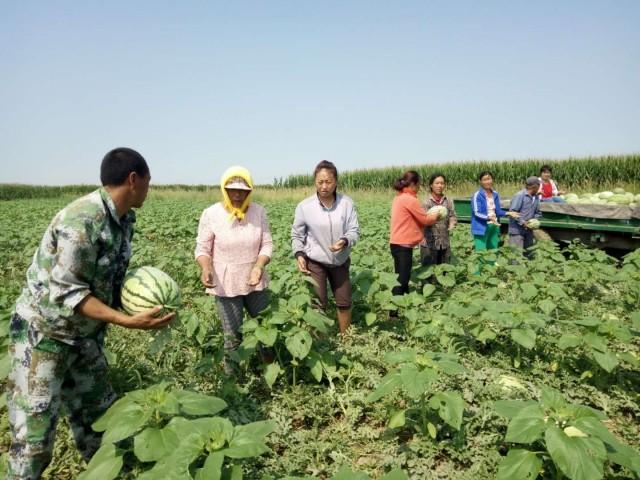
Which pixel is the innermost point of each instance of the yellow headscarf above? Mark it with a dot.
(230, 173)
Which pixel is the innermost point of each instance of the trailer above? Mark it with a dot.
(601, 226)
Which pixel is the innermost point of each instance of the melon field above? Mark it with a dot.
(529, 370)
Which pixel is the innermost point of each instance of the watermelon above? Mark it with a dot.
(533, 224)
(440, 210)
(619, 191)
(620, 199)
(147, 287)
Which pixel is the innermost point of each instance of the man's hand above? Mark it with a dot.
(302, 264)
(255, 276)
(207, 278)
(513, 214)
(339, 245)
(148, 320)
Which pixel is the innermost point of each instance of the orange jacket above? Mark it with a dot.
(408, 218)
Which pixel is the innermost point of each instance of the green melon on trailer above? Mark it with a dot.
(613, 227)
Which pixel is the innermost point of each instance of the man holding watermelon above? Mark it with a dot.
(57, 329)
(526, 203)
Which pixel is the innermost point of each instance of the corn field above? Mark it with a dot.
(573, 173)
(11, 191)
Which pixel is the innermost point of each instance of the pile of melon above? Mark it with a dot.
(617, 197)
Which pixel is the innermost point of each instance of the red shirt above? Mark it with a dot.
(547, 190)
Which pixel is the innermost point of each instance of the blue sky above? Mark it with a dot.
(278, 86)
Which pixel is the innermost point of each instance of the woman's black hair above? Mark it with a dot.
(546, 168)
(484, 173)
(326, 165)
(409, 177)
(433, 177)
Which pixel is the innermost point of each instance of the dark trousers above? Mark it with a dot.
(402, 263)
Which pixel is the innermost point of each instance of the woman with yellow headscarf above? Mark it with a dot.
(233, 248)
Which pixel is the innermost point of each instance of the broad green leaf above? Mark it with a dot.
(450, 367)
(370, 318)
(152, 444)
(588, 322)
(607, 360)
(160, 340)
(486, 334)
(105, 464)
(578, 458)
(396, 474)
(594, 428)
(551, 398)
(317, 320)
(197, 404)
(569, 341)
(314, 362)
(397, 419)
(266, 336)
(401, 356)
(510, 408)
(271, 373)
(120, 407)
(246, 449)
(595, 341)
(254, 430)
(547, 306)
(630, 358)
(169, 404)
(130, 422)
(299, 344)
(446, 279)
(555, 290)
(527, 426)
(217, 430)
(450, 407)
(176, 465)
(529, 291)
(428, 289)
(414, 381)
(345, 473)
(625, 456)
(298, 300)
(524, 336)
(389, 383)
(232, 472)
(212, 468)
(519, 465)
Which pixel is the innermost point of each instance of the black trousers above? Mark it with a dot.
(402, 262)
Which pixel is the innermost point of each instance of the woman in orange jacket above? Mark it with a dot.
(408, 219)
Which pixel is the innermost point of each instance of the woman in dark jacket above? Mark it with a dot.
(436, 246)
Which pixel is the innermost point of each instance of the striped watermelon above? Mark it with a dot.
(147, 287)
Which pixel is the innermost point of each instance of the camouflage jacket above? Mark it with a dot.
(85, 250)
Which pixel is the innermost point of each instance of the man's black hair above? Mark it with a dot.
(119, 163)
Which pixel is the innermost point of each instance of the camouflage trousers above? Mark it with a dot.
(46, 375)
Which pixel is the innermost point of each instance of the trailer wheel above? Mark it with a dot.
(542, 236)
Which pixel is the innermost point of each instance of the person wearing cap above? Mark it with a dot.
(325, 229)
(527, 204)
(233, 247)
